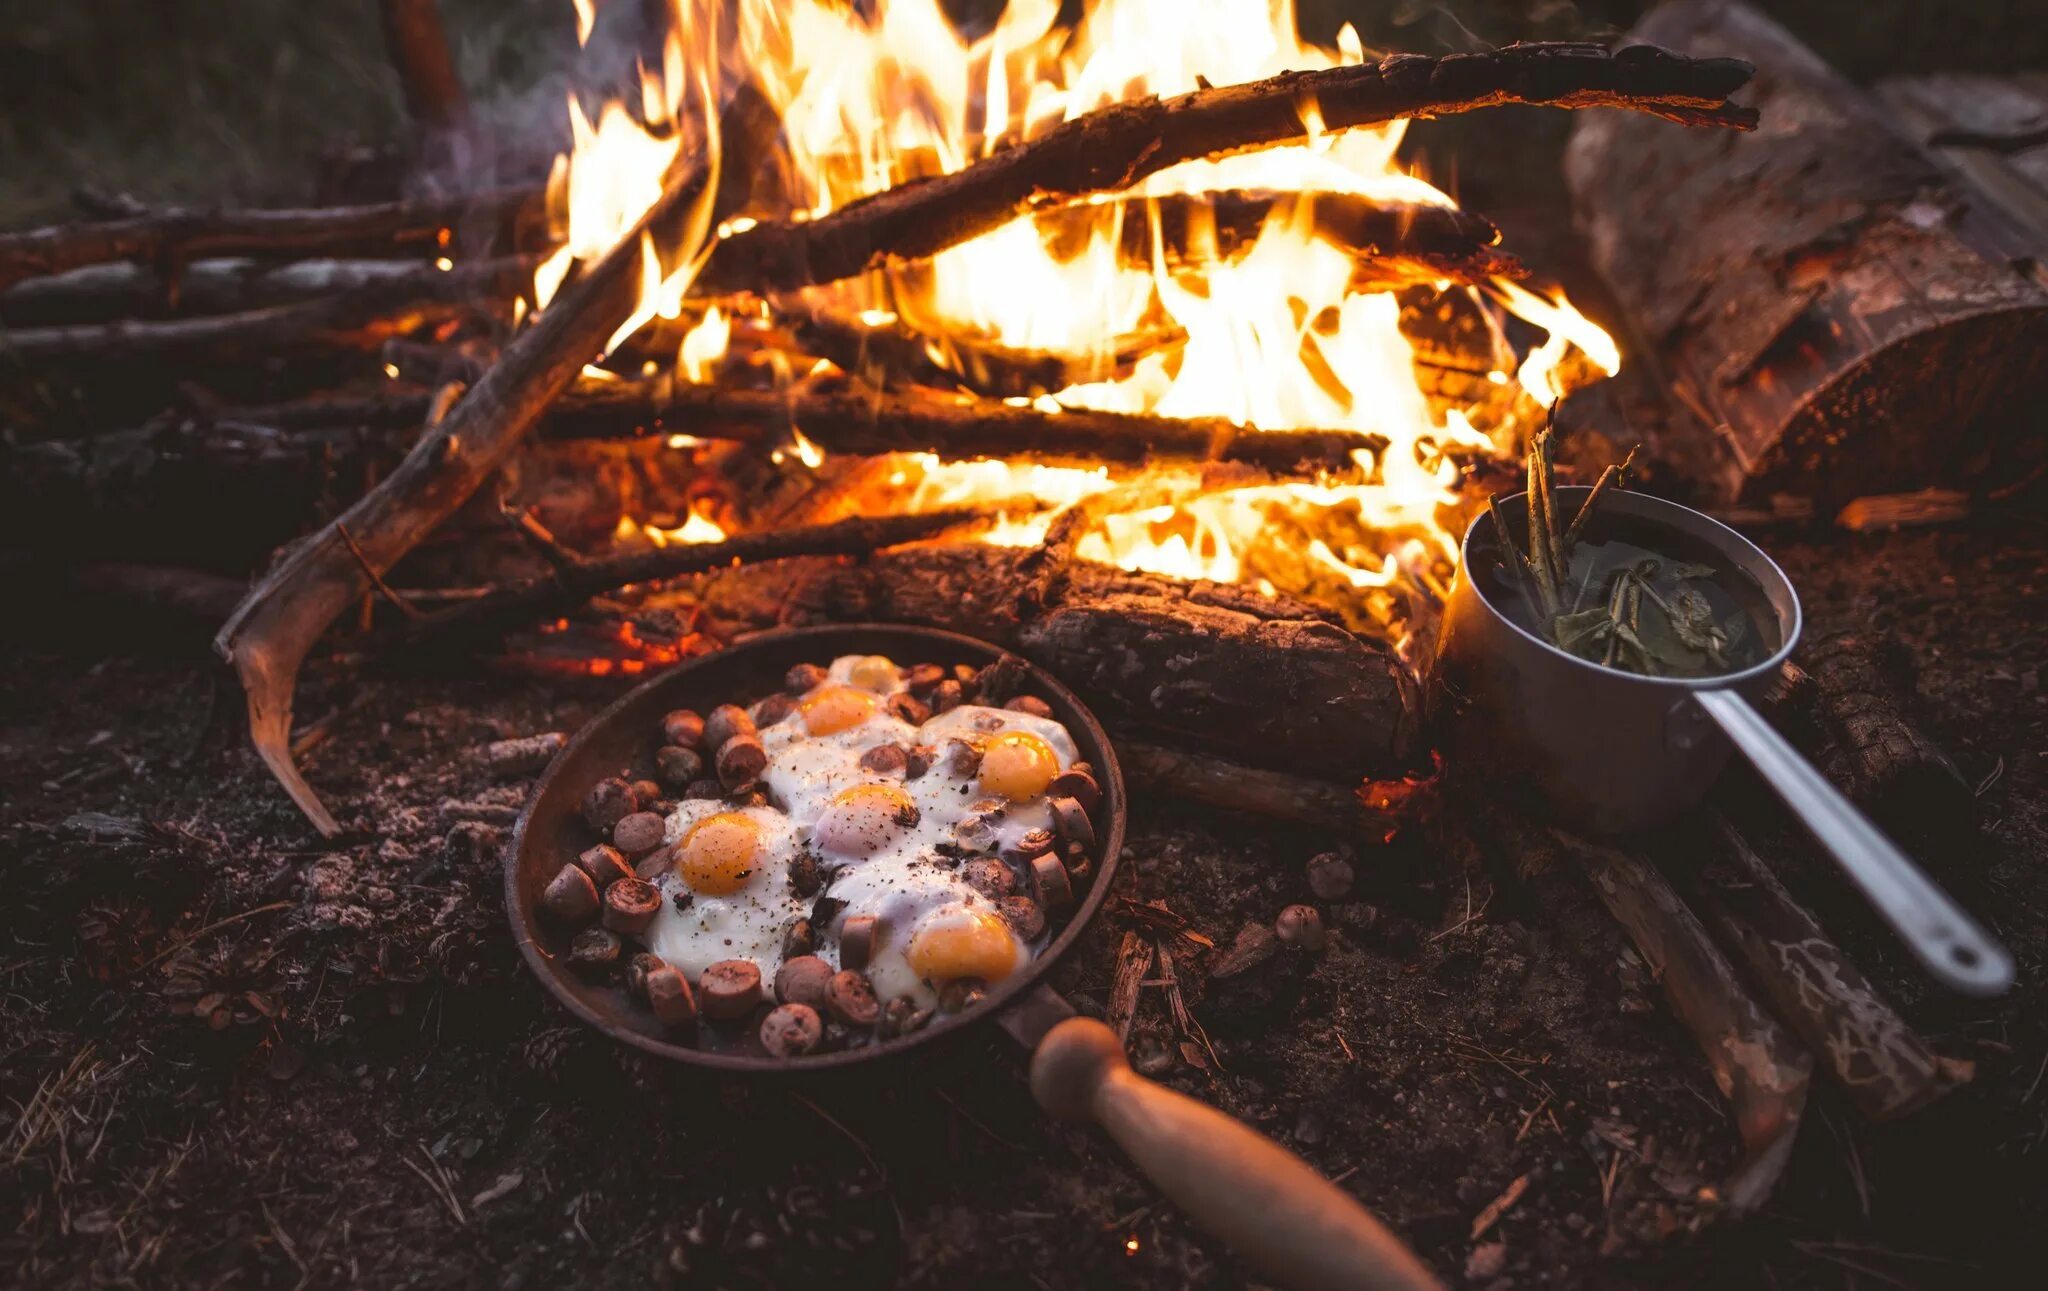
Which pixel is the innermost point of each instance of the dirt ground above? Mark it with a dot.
(235, 1053)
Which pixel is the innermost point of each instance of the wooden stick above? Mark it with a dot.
(890, 354)
(417, 44)
(505, 608)
(1881, 1063)
(176, 237)
(1761, 1068)
(269, 636)
(358, 318)
(868, 422)
(1392, 244)
(105, 292)
(1115, 147)
(1276, 795)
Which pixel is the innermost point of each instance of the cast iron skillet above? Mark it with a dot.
(1295, 1226)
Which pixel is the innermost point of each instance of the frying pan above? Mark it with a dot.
(1296, 1227)
(1613, 751)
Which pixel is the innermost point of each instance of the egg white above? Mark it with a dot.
(747, 924)
(909, 879)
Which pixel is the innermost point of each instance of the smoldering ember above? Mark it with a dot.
(1039, 643)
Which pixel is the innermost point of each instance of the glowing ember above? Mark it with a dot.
(1275, 336)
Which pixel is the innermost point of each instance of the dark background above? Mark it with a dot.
(199, 99)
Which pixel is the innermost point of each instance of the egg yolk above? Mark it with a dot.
(718, 853)
(962, 941)
(1018, 765)
(864, 819)
(837, 708)
(873, 672)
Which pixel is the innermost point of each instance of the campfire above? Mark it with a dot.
(1131, 346)
(1107, 306)
(1209, 363)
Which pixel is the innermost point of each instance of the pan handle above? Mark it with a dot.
(1291, 1224)
(1945, 939)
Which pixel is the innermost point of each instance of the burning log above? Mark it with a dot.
(1259, 681)
(868, 422)
(173, 238)
(1886, 1069)
(888, 354)
(1852, 317)
(856, 422)
(504, 608)
(270, 634)
(361, 317)
(1761, 1068)
(1392, 244)
(1115, 147)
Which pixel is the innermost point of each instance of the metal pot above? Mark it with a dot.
(1611, 751)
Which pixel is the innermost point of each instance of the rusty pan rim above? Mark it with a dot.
(1089, 735)
(1747, 555)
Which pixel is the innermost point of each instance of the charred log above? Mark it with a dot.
(1115, 147)
(1392, 244)
(1856, 320)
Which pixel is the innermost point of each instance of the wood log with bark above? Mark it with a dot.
(1392, 244)
(1115, 147)
(1886, 1069)
(1892, 769)
(416, 41)
(106, 293)
(360, 316)
(1842, 315)
(1258, 681)
(172, 238)
(1761, 1068)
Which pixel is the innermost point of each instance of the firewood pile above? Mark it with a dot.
(383, 395)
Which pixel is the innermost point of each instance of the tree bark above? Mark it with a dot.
(1392, 244)
(1761, 1068)
(1114, 148)
(172, 238)
(1260, 681)
(1850, 318)
(1885, 1068)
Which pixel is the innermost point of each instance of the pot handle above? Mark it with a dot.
(1945, 939)
(1296, 1228)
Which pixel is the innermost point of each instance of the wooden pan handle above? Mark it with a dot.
(1293, 1226)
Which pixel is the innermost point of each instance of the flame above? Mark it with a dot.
(877, 94)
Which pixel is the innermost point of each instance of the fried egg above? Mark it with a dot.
(891, 845)
(727, 896)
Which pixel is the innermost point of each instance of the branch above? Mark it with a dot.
(268, 638)
(869, 422)
(359, 317)
(1114, 148)
(1392, 244)
(505, 608)
(176, 237)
